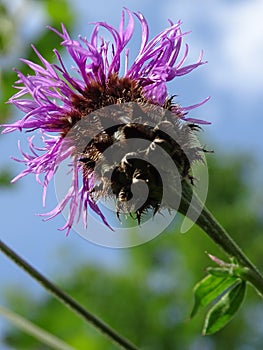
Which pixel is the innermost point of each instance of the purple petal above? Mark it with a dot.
(46, 97)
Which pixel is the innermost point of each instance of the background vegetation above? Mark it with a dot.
(148, 295)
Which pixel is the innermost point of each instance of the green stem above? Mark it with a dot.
(207, 222)
(68, 300)
(38, 333)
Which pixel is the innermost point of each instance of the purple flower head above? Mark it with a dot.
(54, 99)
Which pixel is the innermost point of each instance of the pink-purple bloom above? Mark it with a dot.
(51, 97)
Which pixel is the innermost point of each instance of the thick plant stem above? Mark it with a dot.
(206, 221)
(68, 300)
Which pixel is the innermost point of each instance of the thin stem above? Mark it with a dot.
(35, 331)
(68, 300)
(207, 222)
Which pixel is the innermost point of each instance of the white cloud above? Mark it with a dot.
(231, 34)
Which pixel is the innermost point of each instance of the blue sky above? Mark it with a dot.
(231, 35)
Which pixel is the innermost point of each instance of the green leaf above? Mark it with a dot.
(225, 309)
(219, 271)
(210, 288)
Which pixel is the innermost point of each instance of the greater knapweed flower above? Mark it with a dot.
(67, 110)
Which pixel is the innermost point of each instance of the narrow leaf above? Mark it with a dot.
(225, 309)
(210, 288)
(46, 338)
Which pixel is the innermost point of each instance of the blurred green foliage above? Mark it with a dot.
(6, 28)
(149, 297)
(5, 178)
(59, 11)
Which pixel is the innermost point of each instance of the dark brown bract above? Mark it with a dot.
(127, 148)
